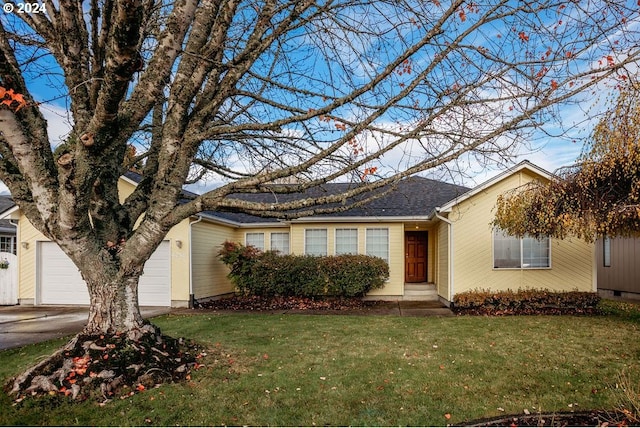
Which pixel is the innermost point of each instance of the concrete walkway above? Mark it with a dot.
(24, 325)
(407, 308)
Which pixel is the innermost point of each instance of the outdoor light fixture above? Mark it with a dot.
(25, 245)
(179, 243)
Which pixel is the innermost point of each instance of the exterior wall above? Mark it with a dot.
(572, 260)
(209, 274)
(442, 274)
(623, 274)
(432, 260)
(395, 284)
(27, 260)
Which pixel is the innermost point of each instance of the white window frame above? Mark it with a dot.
(306, 241)
(337, 252)
(521, 241)
(606, 251)
(278, 241)
(256, 234)
(11, 242)
(366, 243)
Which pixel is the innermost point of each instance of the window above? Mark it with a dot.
(315, 242)
(510, 252)
(280, 242)
(377, 243)
(606, 251)
(255, 240)
(346, 241)
(8, 244)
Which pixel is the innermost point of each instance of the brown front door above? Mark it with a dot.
(415, 244)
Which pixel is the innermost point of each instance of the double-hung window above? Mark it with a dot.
(377, 243)
(280, 242)
(8, 244)
(510, 252)
(346, 241)
(315, 242)
(255, 240)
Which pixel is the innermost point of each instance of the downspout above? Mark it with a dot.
(191, 295)
(449, 249)
(17, 288)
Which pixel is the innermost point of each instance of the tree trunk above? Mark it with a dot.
(113, 295)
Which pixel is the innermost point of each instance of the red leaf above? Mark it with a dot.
(523, 36)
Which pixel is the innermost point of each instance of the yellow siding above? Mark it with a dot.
(179, 263)
(27, 260)
(571, 259)
(395, 284)
(442, 274)
(208, 272)
(27, 275)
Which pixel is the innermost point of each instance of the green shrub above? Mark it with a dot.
(352, 275)
(269, 274)
(529, 301)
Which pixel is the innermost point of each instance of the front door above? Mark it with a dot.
(415, 244)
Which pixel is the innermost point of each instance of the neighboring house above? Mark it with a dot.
(8, 272)
(618, 261)
(7, 229)
(436, 237)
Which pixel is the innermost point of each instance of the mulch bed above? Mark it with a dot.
(592, 418)
(260, 303)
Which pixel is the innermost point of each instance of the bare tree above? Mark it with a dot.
(262, 91)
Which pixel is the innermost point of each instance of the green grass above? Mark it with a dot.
(352, 370)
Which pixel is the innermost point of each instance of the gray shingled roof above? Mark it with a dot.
(414, 196)
(5, 226)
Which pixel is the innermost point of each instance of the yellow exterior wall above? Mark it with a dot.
(572, 260)
(209, 274)
(442, 274)
(395, 284)
(27, 275)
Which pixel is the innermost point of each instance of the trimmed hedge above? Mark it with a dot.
(525, 302)
(269, 274)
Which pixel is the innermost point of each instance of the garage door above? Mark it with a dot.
(60, 282)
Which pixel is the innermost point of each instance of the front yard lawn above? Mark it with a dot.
(354, 370)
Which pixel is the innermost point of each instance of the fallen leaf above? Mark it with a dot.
(447, 416)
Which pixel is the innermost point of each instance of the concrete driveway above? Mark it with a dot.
(24, 325)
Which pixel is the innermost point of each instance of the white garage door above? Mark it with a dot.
(61, 284)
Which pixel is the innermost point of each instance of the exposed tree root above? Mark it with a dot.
(104, 367)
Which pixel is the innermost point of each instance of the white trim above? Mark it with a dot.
(304, 242)
(288, 233)
(191, 223)
(450, 250)
(9, 211)
(130, 181)
(521, 241)
(255, 233)
(335, 239)
(388, 241)
(519, 167)
(361, 219)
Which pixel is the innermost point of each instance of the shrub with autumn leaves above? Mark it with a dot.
(268, 273)
(525, 302)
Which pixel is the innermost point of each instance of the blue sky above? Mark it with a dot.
(548, 151)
